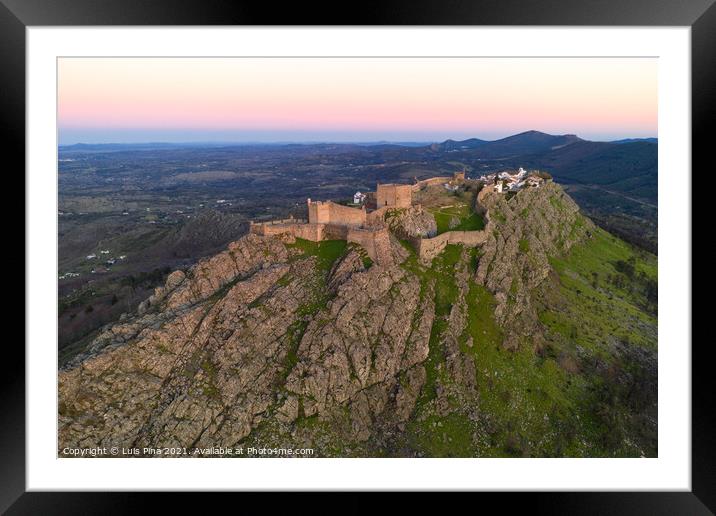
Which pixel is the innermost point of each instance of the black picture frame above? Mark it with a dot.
(17, 15)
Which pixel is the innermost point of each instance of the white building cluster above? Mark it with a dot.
(512, 181)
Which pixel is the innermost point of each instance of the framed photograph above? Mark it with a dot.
(419, 250)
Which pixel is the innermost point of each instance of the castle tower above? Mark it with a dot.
(318, 212)
(395, 196)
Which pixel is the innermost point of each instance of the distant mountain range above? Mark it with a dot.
(614, 182)
(522, 143)
(529, 142)
(632, 140)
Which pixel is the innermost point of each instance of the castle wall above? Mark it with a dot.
(430, 182)
(376, 215)
(375, 242)
(339, 214)
(429, 248)
(331, 221)
(318, 212)
(313, 232)
(331, 213)
(335, 232)
(395, 196)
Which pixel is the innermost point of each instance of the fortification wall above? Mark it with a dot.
(331, 213)
(339, 214)
(429, 248)
(376, 242)
(395, 196)
(318, 212)
(484, 192)
(430, 182)
(376, 216)
(335, 232)
(313, 232)
(290, 220)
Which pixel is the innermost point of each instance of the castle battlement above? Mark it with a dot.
(329, 220)
(328, 212)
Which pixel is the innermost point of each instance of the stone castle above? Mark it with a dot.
(365, 225)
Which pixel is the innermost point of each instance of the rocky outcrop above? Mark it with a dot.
(257, 332)
(411, 222)
(354, 351)
(525, 230)
(202, 370)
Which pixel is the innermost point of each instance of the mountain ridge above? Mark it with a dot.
(278, 340)
(449, 143)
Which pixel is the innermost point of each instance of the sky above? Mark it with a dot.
(132, 100)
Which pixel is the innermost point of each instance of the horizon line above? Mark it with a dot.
(337, 141)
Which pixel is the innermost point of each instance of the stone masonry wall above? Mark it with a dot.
(335, 232)
(318, 212)
(331, 213)
(376, 216)
(376, 242)
(313, 232)
(346, 215)
(395, 196)
(429, 248)
(430, 182)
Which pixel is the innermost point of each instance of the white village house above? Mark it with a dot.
(512, 182)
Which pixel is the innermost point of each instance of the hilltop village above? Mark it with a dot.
(364, 223)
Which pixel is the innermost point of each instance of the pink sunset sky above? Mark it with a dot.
(352, 99)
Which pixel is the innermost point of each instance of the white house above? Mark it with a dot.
(534, 181)
(358, 198)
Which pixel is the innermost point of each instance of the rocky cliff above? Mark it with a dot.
(525, 230)
(411, 222)
(294, 343)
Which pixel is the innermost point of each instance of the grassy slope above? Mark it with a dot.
(469, 220)
(606, 324)
(554, 403)
(445, 206)
(515, 390)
